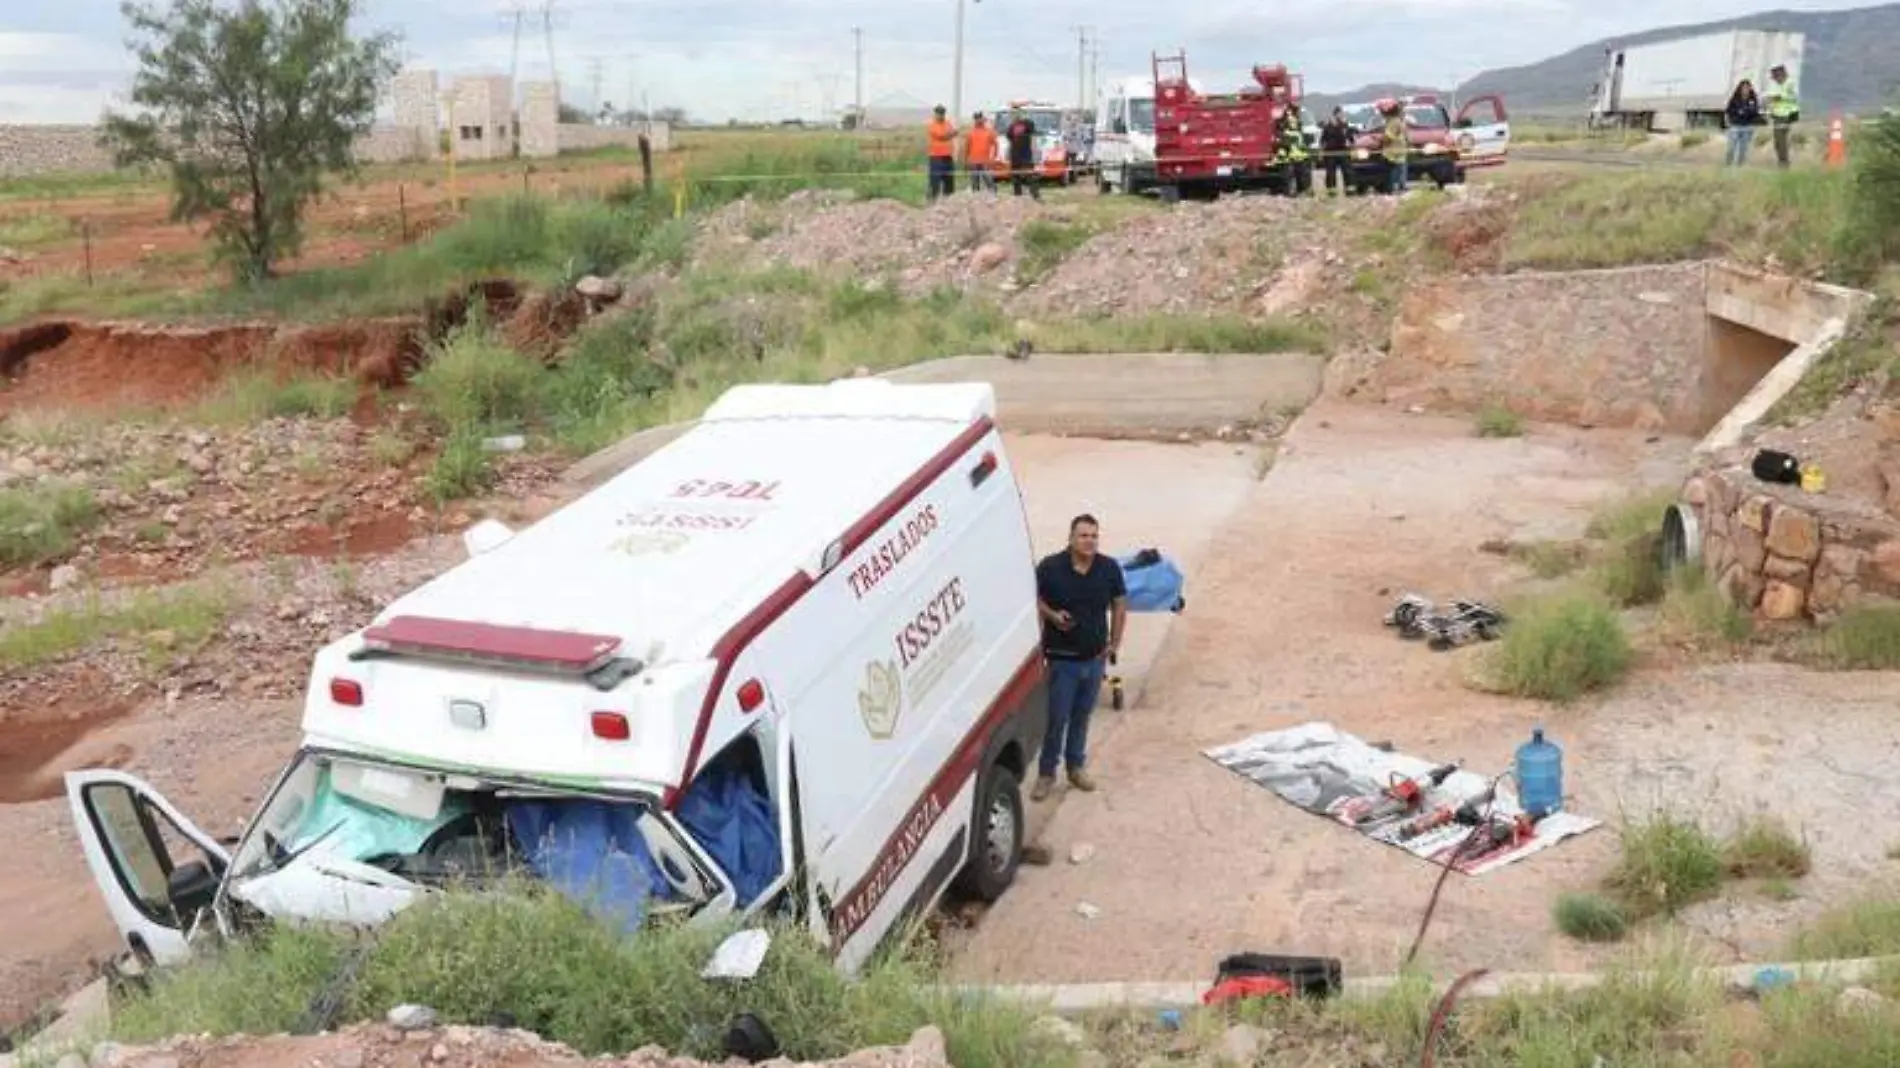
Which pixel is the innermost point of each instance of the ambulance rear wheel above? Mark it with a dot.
(999, 836)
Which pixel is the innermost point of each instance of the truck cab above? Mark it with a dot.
(788, 663)
(1125, 135)
(1058, 146)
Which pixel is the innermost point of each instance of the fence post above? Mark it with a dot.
(646, 164)
(402, 209)
(85, 229)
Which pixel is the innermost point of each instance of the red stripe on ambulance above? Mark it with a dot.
(857, 905)
(730, 645)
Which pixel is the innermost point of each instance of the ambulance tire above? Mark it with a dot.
(997, 829)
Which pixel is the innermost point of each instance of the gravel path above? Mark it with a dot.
(1192, 863)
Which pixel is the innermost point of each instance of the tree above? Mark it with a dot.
(249, 105)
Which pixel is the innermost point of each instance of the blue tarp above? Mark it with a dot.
(1154, 582)
(593, 851)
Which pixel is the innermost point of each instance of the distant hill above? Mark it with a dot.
(1852, 61)
(1319, 104)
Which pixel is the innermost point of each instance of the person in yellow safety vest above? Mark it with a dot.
(1784, 110)
(1397, 149)
(1291, 148)
(943, 154)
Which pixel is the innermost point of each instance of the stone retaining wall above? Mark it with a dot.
(1788, 555)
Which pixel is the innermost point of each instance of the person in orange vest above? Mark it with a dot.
(979, 155)
(943, 153)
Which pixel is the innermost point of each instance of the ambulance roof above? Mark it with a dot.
(677, 549)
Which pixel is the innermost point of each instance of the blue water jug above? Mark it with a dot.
(1540, 776)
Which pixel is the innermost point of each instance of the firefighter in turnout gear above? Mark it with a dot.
(1397, 148)
(1290, 146)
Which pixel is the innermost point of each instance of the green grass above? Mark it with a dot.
(1864, 354)
(258, 393)
(1618, 219)
(1590, 917)
(1559, 647)
(161, 622)
(1868, 928)
(1179, 333)
(1549, 559)
(460, 469)
(44, 521)
(1628, 561)
(1864, 638)
(1497, 421)
(1667, 864)
(584, 984)
(474, 382)
(1630, 516)
(1763, 847)
(1695, 613)
(1044, 243)
(29, 231)
(769, 169)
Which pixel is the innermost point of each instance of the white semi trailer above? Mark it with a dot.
(1676, 84)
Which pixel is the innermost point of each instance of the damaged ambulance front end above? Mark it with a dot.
(439, 755)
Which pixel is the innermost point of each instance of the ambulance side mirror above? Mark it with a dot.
(485, 535)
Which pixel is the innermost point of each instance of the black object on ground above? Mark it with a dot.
(1312, 977)
(1771, 465)
(749, 1039)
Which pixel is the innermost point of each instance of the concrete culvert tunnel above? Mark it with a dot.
(1690, 349)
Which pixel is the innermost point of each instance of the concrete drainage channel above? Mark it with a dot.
(1752, 337)
(1124, 404)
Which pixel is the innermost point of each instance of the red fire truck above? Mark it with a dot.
(1206, 143)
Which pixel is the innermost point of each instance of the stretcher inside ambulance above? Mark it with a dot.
(801, 638)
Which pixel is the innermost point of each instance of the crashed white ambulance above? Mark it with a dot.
(787, 662)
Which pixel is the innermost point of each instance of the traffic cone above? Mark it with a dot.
(1836, 141)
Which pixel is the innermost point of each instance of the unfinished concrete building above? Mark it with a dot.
(481, 117)
(418, 109)
(540, 119)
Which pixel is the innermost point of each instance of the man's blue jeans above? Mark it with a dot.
(1073, 687)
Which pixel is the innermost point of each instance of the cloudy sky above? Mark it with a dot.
(62, 60)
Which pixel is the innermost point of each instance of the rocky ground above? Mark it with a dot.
(172, 500)
(1256, 256)
(390, 1046)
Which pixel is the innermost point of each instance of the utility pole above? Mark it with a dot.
(857, 96)
(956, 83)
(1095, 70)
(1081, 64)
(593, 73)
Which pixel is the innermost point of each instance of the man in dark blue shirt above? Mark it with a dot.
(1083, 601)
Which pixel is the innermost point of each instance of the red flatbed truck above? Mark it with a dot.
(1209, 143)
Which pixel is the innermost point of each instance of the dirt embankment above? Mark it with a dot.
(1340, 263)
(465, 1047)
(114, 368)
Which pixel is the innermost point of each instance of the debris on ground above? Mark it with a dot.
(1463, 622)
(1466, 821)
(384, 1046)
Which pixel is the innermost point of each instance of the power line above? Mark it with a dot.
(857, 101)
(1081, 65)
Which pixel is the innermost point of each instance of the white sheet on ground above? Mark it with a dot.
(1330, 773)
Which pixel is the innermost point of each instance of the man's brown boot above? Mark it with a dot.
(1044, 784)
(1080, 780)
